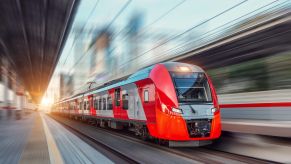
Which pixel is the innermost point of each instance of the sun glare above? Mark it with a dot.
(46, 101)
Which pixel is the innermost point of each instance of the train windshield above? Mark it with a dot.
(191, 87)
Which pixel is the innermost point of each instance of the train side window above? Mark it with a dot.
(109, 103)
(84, 105)
(99, 104)
(125, 101)
(104, 103)
(117, 97)
(95, 104)
(146, 96)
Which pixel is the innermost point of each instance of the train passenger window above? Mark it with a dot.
(125, 101)
(95, 104)
(104, 103)
(99, 104)
(117, 97)
(146, 96)
(84, 107)
(109, 103)
(87, 105)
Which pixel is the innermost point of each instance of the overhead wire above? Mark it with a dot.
(175, 48)
(144, 29)
(190, 29)
(231, 26)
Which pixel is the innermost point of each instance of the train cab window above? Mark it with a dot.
(109, 103)
(117, 96)
(125, 101)
(104, 104)
(146, 96)
(191, 87)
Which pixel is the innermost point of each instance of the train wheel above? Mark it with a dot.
(144, 134)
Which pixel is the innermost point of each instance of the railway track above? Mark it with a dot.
(120, 155)
(188, 155)
(197, 154)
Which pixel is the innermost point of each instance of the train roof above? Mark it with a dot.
(139, 75)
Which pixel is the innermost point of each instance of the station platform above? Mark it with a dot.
(37, 138)
(260, 127)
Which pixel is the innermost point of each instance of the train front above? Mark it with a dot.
(190, 113)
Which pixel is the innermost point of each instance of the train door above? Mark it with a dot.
(127, 102)
(82, 105)
(117, 102)
(76, 106)
(138, 106)
(132, 102)
(148, 99)
(91, 105)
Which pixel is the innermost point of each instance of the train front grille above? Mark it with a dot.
(199, 128)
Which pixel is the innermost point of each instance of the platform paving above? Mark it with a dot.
(37, 138)
(36, 149)
(73, 149)
(13, 137)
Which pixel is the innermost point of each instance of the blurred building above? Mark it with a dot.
(81, 68)
(100, 59)
(66, 85)
(133, 42)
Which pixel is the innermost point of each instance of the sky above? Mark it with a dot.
(172, 17)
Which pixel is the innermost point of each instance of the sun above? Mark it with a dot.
(46, 101)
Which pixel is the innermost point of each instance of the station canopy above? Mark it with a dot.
(32, 34)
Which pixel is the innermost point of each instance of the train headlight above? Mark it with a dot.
(184, 69)
(177, 110)
(213, 110)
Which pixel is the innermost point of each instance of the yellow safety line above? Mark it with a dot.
(55, 155)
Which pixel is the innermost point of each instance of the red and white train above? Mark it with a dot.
(170, 101)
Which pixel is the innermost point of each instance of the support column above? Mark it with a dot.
(5, 83)
(14, 89)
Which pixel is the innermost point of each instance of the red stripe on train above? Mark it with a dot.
(273, 104)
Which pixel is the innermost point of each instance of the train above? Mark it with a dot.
(171, 102)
